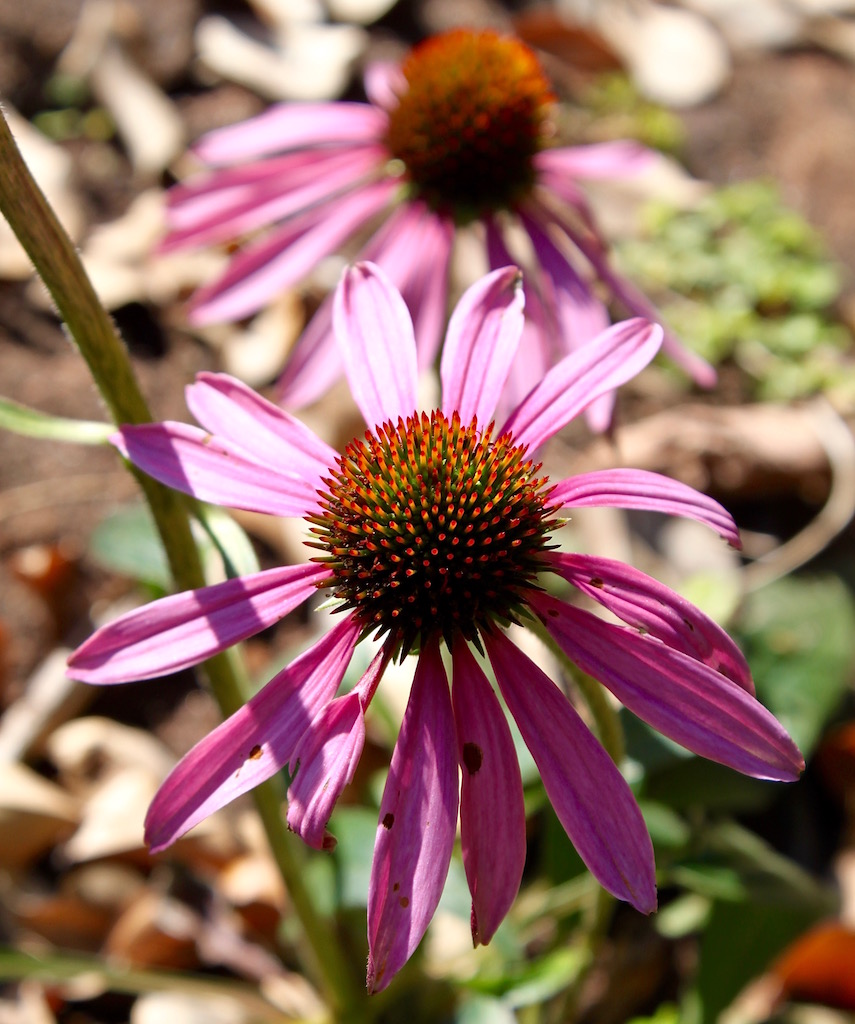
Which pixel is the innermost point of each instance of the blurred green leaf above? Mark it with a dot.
(667, 1013)
(666, 828)
(710, 787)
(738, 943)
(686, 914)
(483, 1010)
(534, 981)
(739, 276)
(20, 419)
(127, 543)
(229, 539)
(799, 637)
(355, 829)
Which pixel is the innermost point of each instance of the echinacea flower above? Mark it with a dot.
(434, 530)
(458, 135)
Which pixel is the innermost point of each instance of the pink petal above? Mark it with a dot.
(418, 815)
(492, 814)
(537, 350)
(613, 358)
(601, 160)
(590, 796)
(423, 284)
(580, 316)
(253, 743)
(233, 411)
(376, 342)
(211, 469)
(326, 757)
(638, 488)
(183, 629)
(483, 336)
(638, 304)
(683, 699)
(384, 83)
(315, 363)
(231, 212)
(291, 126)
(651, 607)
(283, 258)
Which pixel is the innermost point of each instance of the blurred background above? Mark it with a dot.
(743, 234)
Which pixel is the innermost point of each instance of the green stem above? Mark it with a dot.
(32, 219)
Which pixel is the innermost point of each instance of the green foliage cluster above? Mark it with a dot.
(741, 277)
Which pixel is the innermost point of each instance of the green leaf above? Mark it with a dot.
(483, 1010)
(799, 637)
(128, 543)
(20, 419)
(534, 981)
(739, 943)
(229, 539)
(355, 828)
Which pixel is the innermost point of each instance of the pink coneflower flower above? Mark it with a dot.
(459, 134)
(434, 530)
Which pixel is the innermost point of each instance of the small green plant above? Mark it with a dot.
(741, 277)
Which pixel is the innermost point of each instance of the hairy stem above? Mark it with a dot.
(34, 222)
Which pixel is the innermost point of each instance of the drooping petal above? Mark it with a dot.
(418, 815)
(314, 363)
(537, 350)
(480, 345)
(590, 796)
(641, 489)
(252, 744)
(492, 814)
(325, 759)
(211, 469)
(613, 358)
(424, 281)
(230, 409)
(411, 232)
(651, 607)
(600, 160)
(375, 338)
(233, 211)
(637, 303)
(384, 82)
(288, 254)
(183, 629)
(580, 315)
(683, 699)
(290, 126)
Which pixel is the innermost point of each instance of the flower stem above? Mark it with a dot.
(34, 222)
(598, 915)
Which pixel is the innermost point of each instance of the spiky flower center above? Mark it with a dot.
(433, 529)
(472, 117)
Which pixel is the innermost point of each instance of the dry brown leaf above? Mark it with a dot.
(154, 931)
(34, 815)
(49, 697)
(113, 816)
(92, 748)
